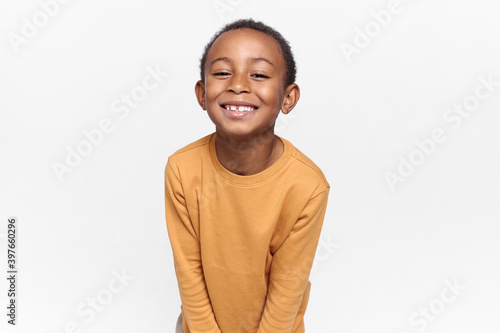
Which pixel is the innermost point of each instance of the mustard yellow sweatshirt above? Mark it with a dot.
(243, 246)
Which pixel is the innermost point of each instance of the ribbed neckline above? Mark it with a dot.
(257, 178)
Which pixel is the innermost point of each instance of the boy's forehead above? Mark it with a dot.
(254, 41)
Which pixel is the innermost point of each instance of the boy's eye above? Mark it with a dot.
(257, 75)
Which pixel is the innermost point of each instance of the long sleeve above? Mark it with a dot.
(196, 304)
(291, 266)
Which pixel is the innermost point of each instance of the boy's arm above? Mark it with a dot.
(196, 304)
(291, 266)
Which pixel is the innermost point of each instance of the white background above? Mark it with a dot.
(386, 253)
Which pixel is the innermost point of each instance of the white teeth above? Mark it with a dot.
(239, 108)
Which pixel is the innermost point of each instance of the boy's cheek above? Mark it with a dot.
(214, 87)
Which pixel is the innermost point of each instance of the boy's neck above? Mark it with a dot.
(248, 156)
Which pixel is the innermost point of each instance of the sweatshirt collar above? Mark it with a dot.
(255, 179)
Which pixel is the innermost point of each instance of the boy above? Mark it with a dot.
(244, 207)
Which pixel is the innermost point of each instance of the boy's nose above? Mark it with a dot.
(239, 84)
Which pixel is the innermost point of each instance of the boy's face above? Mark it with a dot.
(244, 84)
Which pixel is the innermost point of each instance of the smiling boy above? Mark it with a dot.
(244, 207)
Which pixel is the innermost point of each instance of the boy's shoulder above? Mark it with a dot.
(306, 167)
(191, 149)
(189, 157)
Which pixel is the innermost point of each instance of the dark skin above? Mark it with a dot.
(245, 69)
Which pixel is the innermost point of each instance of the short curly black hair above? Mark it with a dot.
(286, 51)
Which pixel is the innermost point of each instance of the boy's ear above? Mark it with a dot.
(199, 90)
(292, 95)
